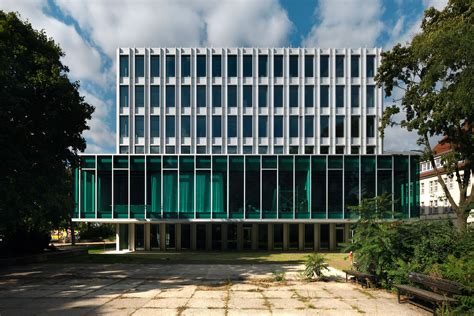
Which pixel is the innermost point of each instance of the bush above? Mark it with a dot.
(24, 241)
(314, 266)
(96, 232)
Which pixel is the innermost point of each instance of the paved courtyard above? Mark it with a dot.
(147, 289)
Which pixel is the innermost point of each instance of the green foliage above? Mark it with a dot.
(42, 117)
(95, 231)
(278, 276)
(314, 266)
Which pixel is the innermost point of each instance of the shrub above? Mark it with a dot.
(94, 231)
(314, 266)
(278, 276)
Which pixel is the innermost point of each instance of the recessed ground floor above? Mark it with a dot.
(231, 236)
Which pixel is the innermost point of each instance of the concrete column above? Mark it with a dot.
(193, 233)
(332, 236)
(300, 236)
(147, 236)
(254, 236)
(347, 232)
(178, 236)
(131, 237)
(117, 237)
(286, 236)
(317, 237)
(162, 236)
(240, 236)
(270, 236)
(224, 236)
(208, 236)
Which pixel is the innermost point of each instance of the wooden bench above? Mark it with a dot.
(441, 291)
(361, 277)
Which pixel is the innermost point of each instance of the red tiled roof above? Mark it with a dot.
(441, 148)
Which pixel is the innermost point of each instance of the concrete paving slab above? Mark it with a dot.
(207, 312)
(278, 303)
(168, 302)
(127, 303)
(246, 303)
(154, 312)
(210, 294)
(209, 303)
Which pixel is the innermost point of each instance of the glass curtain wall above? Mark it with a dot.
(137, 187)
(285, 187)
(236, 187)
(252, 187)
(351, 184)
(302, 187)
(400, 189)
(186, 187)
(318, 192)
(219, 187)
(120, 200)
(269, 186)
(384, 178)
(153, 203)
(170, 186)
(203, 187)
(335, 187)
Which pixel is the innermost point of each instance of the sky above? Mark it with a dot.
(90, 31)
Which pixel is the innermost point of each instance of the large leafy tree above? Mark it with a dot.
(42, 117)
(435, 72)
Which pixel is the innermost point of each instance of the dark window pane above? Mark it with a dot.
(263, 66)
(293, 126)
(232, 66)
(124, 126)
(355, 96)
(324, 66)
(170, 126)
(309, 66)
(123, 66)
(247, 126)
(185, 96)
(294, 66)
(339, 96)
(139, 66)
(308, 96)
(123, 96)
(339, 126)
(247, 96)
(324, 150)
(278, 66)
(232, 126)
(339, 66)
(370, 66)
(216, 96)
(278, 96)
(309, 126)
(355, 126)
(170, 99)
(155, 96)
(262, 96)
(216, 66)
(185, 66)
(155, 126)
(201, 66)
(262, 126)
(201, 126)
(324, 97)
(170, 66)
(232, 96)
(216, 126)
(370, 126)
(247, 70)
(370, 96)
(278, 126)
(139, 96)
(324, 126)
(201, 96)
(294, 96)
(155, 66)
(185, 126)
(355, 66)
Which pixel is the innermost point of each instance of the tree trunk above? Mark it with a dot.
(73, 235)
(461, 219)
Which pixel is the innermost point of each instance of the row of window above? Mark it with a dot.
(247, 67)
(433, 185)
(247, 93)
(247, 123)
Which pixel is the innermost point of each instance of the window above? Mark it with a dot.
(355, 150)
(216, 149)
(262, 96)
(247, 96)
(339, 66)
(170, 65)
(355, 126)
(339, 150)
(201, 96)
(155, 126)
(355, 96)
(247, 126)
(216, 126)
(309, 66)
(216, 96)
(201, 126)
(155, 66)
(232, 126)
(339, 126)
(263, 66)
(324, 97)
(263, 150)
(170, 126)
(324, 126)
(247, 69)
(324, 150)
(185, 149)
(294, 66)
(232, 96)
(370, 66)
(370, 149)
(309, 149)
(139, 66)
(185, 96)
(422, 188)
(324, 66)
(123, 96)
(370, 96)
(262, 126)
(170, 149)
(294, 96)
(185, 126)
(124, 126)
(370, 126)
(201, 66)
(231, 149)
(170, 96)
(232, 66)
(278, 126)
(247, 149)
(216, 66)
(139, 96)
(123, 66)
(294, 126)
(294, 150)
(308, 96)
(185, 66)
(154, 149)
(155, 96)
(278, 150)
(309, 126)
(339, 96)
(278, 66)
(278, 96)
(355, 65)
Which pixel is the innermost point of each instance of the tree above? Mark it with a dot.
(42, 117)
(435, 72)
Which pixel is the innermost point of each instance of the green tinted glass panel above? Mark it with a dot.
(219, 163)
(186, 163)
(219, 187)
(384, 185)
(252, 194)
(170, 193)
(153, 169)
(137, 187)
(401, 184)
(236, 187)
(269, 194)
(384, 162)
(335, 162)
(170, 162)
(87, 162)
(186, 193)
(76, 193)
(302, 187)
(120, 193)
(203, 194)
(367, 181)
(335, 193)
(104, 187)
(88, 194)
(104, 163)
(269, 162)
(414, 187)
(351, 184)
(318, 187)
(203, 162)
(120, 162)
(285, 187)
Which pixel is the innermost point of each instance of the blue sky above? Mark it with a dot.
(89, 31)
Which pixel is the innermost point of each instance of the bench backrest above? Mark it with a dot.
(436, 284)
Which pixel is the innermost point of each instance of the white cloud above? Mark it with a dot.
(346, 23)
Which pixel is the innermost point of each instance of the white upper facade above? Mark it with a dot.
(248, 101)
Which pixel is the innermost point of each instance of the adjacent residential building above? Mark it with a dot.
(243, 148)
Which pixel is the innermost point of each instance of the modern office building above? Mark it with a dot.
(243, 148)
